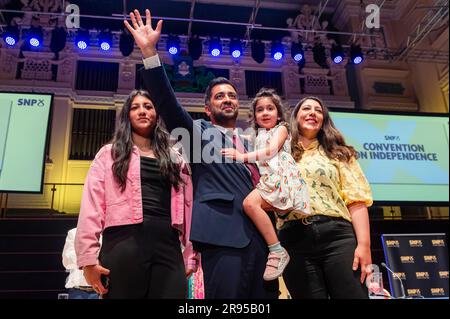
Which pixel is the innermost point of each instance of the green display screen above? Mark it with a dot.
(24, 120)
(404, 157)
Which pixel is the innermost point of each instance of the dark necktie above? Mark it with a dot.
(251, 166)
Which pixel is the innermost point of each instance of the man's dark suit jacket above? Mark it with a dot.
(219, 188)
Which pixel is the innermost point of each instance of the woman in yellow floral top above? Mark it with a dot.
(331, 248)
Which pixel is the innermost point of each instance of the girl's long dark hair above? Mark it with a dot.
(329, 137)
(122, 146)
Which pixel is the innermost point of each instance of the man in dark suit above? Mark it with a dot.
(233, 252)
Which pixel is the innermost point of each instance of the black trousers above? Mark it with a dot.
(237, 273)
(145, 261)
(321, 260)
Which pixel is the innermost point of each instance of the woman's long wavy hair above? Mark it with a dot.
(276, 100)
(329, 137)
(122, 145)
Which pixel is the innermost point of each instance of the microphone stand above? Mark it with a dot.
(402, 288)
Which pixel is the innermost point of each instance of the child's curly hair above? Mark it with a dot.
(276, 99)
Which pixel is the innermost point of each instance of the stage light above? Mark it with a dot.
(195, 47)
(277, 51)
(105, 46)
(10, 40)
(34, 42)
(81, 44)
(356, 55)
(126, 43)
(35, 36)
(320, 56)
(58, 40)
(258, 51)
(337, 53)
(105, 40)
(173, 44)
(235, 48)
(215, 47)
(297, 52)
(82, 39)
(11, 35)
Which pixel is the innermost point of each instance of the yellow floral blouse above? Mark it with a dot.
(333, 185)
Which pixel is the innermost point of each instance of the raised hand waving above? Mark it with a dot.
(144, 35)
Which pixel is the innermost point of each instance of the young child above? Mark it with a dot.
(281, 187)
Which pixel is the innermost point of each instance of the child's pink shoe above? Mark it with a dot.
(276, 263)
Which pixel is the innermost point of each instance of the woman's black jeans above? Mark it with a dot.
(321, 259)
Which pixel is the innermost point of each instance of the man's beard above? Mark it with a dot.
(221, 118)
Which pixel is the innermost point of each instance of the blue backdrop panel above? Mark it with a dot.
(421, 261)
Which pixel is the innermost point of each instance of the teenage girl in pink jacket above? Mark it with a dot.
(138, 194)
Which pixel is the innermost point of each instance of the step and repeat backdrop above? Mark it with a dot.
(420, 262)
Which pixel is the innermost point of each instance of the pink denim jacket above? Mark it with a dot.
(104, 205)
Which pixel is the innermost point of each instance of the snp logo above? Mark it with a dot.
(31, 102)
(415, 243)
(393, 243)
(443, 274)
(407, 259)
(438, 242)
(414, 292)
(437, 291)
(401, 275)
(422, 275)
(430, 259)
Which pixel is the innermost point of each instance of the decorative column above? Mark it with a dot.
(339, 79)
(237, 76)
(291, 80)
(127, 76)
(443, 83)
(66, 68)
(8, 63)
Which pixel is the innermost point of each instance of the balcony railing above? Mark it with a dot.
(57, 198)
